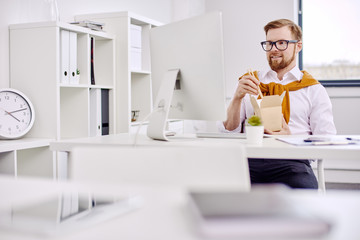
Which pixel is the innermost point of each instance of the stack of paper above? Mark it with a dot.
(317, 140)
(90, 24)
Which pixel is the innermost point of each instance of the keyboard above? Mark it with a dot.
(220, 135)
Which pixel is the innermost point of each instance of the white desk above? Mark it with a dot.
(271, 148)
(164, 214)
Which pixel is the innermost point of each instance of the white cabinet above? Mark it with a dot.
(133, 75)
(26, 157)
(40, 54)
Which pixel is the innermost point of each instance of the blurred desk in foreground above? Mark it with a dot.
(164, 213)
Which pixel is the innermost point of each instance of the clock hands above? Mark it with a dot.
(10, 113)
(18, 110)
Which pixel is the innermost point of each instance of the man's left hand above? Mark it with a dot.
(285, 130)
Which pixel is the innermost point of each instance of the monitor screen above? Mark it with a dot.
(187, 65)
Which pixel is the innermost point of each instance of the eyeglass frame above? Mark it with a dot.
(274, 43)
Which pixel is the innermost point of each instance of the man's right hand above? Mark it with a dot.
(247, 84)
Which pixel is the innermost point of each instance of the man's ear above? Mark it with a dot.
(298, 46)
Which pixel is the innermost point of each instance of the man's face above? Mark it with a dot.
(279, 60)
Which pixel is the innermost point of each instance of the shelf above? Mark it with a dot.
(26, 157)
(64, 25)
(45, 58)
(86, 86)
(24, 143)
(133, 69)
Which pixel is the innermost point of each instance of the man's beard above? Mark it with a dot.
(276, 66)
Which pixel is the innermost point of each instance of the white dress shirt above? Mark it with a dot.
(310, 107)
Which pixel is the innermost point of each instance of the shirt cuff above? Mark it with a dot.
(222, 128)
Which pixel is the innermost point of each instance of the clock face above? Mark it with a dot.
(16, 114)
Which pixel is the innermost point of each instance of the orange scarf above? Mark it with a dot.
(277, 89)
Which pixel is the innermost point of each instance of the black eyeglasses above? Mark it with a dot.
(281, 45)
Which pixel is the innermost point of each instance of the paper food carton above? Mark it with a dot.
(269, 109)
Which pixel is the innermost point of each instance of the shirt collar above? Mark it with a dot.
(271, 76)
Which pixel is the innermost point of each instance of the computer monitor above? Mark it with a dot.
(188, 77)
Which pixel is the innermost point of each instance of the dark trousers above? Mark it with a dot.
(293, 173)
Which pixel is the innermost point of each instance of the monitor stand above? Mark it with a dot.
(158, 118)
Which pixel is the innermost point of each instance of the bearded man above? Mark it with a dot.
(306, 107)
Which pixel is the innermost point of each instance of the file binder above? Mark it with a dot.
(92, 61)
(99, 112)
(104, 111)
(64, 57)
(74, 78)
(95, 112)
(68, 58)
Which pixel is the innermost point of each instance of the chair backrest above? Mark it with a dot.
(186, 166)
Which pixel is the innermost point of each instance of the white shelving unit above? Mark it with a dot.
(36, 68)
(133, 84)
(15, 155)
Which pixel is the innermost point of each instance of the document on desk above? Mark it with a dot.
(317, 141)
(260, 214)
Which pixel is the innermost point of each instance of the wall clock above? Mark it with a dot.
(16, 114)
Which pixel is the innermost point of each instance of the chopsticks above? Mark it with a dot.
(250, 72)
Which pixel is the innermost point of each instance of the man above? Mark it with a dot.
(306, 107)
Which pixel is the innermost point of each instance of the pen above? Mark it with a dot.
(352, 139)
(317, 139)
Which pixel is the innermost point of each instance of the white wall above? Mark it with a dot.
(346, 102)
(19, 11)
(187, 8)
(243, 23)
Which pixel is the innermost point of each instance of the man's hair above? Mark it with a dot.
(295, 29)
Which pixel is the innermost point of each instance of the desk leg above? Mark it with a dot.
(321, 177)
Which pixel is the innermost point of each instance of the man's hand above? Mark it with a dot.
(285, 130)
(247, 84)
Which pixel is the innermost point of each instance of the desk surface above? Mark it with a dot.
(271, 148)
(164, 214)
